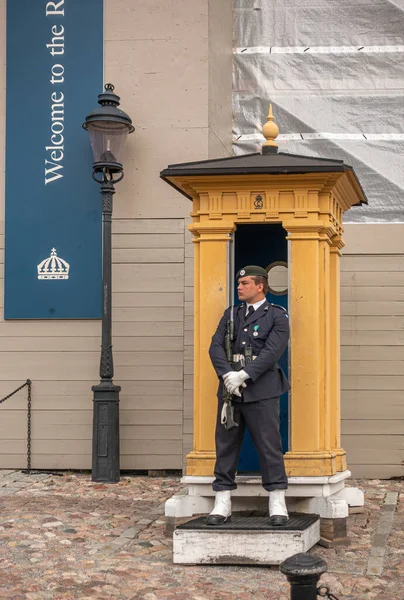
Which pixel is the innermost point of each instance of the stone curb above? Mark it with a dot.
(381, 536)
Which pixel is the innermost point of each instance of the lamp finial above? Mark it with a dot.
(270, 132)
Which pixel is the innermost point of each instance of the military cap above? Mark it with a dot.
(252, 271)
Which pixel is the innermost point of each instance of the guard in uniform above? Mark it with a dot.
(253, 381)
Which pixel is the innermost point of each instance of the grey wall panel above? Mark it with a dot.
(324, 22)
(351, 92)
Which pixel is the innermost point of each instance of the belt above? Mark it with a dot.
(237, 357)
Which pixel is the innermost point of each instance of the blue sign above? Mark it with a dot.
(53, 235)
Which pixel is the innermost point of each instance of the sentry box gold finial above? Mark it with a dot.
(270, 132)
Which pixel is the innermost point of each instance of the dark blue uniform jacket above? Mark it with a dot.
(271, 325)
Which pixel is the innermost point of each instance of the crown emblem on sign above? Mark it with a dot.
(53, 267)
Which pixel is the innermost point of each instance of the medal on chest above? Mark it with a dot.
(255, 332)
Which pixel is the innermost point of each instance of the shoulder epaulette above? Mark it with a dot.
(235, 307)
(278, 306)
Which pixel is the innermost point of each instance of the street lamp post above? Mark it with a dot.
(108, 128)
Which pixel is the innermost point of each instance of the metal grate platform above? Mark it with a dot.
(296, 522)
(248, 539)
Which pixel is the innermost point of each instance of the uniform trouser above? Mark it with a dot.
(262, 421)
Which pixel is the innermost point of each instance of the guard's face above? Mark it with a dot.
(249, 291)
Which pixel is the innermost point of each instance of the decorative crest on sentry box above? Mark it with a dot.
(53, 267)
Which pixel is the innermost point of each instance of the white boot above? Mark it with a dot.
(222, 510)
(277, 508)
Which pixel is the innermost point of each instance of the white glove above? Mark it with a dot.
(234, 380)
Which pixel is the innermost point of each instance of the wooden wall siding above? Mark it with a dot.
(151, 274)
(62, 359)
(153, 351)
(372, 349)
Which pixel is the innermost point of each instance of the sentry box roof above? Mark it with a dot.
(273, 163)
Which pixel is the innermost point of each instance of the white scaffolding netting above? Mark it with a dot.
(334, 73)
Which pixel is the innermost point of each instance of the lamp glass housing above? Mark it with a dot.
(107, 141)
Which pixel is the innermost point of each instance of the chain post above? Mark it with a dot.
(303, 572)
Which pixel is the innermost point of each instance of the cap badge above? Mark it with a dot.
(242, 272)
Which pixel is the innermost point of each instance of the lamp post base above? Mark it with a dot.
(105, 467)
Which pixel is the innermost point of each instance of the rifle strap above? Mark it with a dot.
(227, 416)
(223, 416)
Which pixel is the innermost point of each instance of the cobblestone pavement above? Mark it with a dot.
(68, 538)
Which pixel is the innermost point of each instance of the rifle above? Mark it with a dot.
(227, 418)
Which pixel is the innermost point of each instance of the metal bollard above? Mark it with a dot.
(303, 572)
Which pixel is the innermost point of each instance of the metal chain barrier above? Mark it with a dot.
(28, 384)
(324, 592)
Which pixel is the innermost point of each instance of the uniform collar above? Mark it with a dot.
(255, 305)
(259, 312)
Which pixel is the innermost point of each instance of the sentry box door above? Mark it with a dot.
(264, 245)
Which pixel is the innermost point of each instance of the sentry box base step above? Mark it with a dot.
(245, 540)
